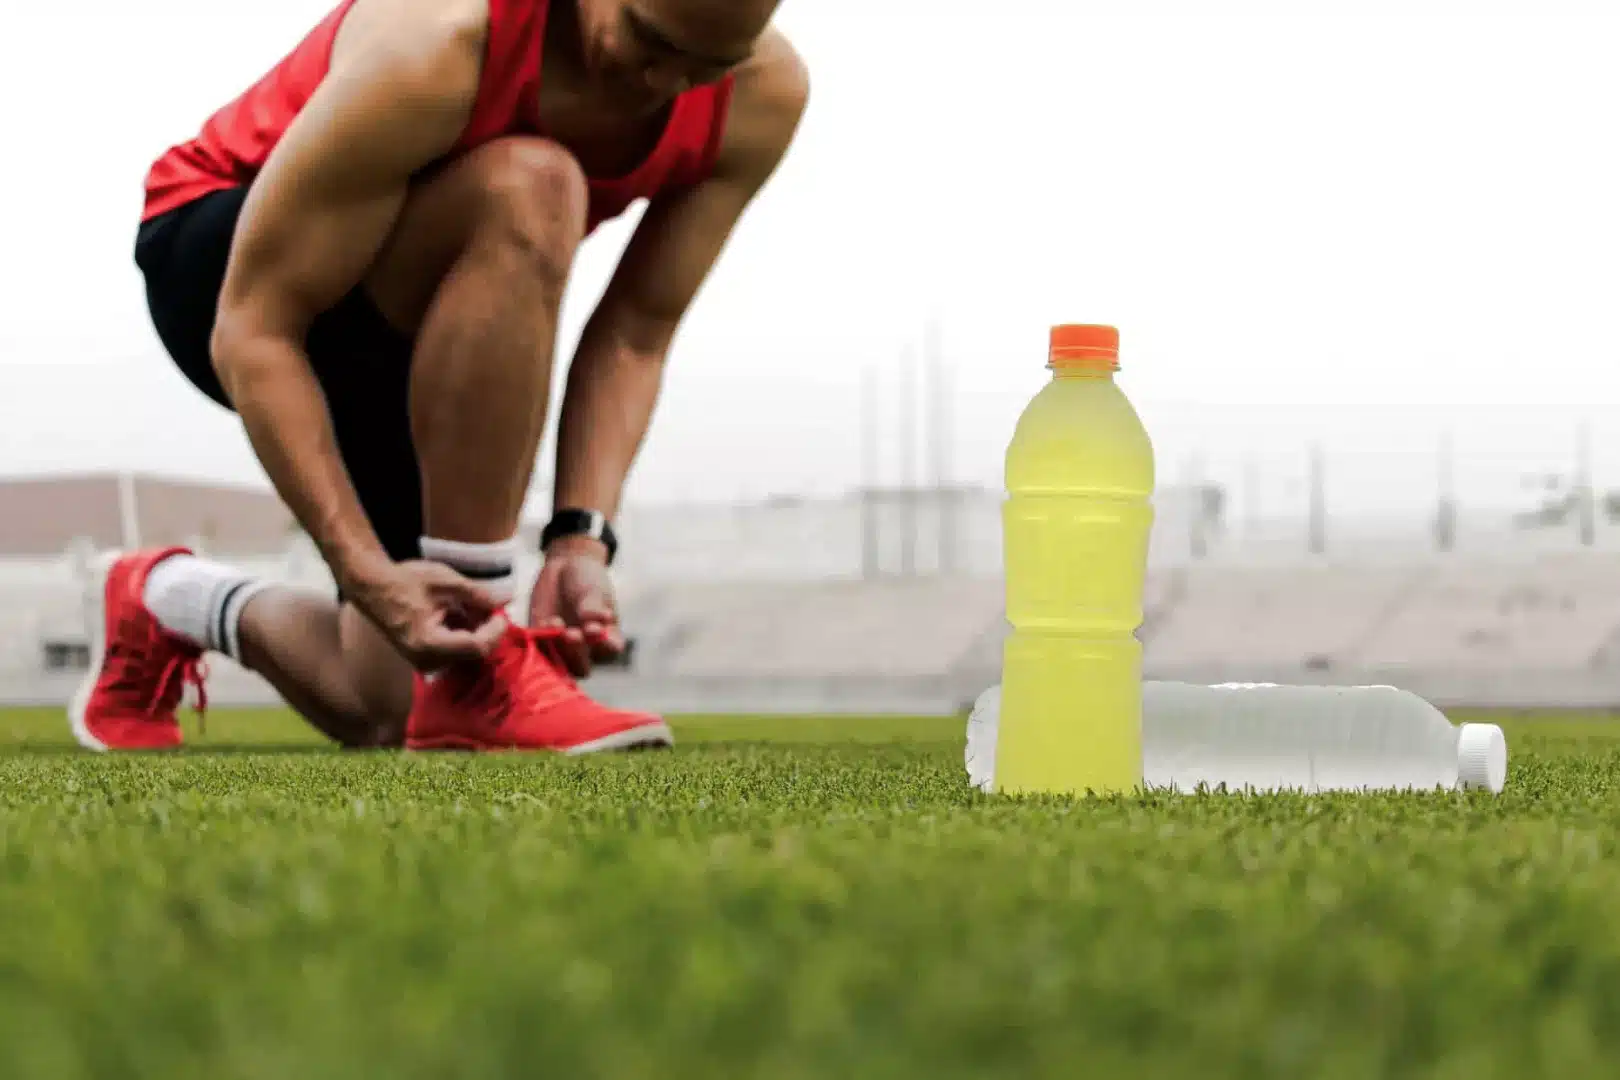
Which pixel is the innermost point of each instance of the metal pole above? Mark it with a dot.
(129, 514)
(1318, 504)
(1197, 526)
(1445, 520)
(940, 435)
(1251, 498)
(908, 463)
(869, 472)
(1585, 507)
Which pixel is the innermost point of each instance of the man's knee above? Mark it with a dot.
(522, 201)
(536, 201)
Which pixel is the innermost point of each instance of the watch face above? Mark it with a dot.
(592, 523)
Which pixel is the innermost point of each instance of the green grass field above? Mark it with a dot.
(788, 898)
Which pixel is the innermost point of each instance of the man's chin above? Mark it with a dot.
(633, 99)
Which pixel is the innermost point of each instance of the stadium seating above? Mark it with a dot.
(1478, 619)
(1554, 613)
(898, 627)
(1311, 617)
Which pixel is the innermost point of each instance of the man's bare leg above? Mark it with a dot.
(475, 270)
(340, 673)
(481, 375)
(216, 607)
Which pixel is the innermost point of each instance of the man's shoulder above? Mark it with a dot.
(769, 96)
(776, 76)
(425, 35)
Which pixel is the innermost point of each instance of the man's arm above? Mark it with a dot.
(401, 87)
(614, 380)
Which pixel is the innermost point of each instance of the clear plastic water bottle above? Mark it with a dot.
(1265, 737)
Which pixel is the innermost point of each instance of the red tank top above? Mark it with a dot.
(235, 141)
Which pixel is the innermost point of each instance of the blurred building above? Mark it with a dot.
(45, 516)
(871, 534)
(885, 601)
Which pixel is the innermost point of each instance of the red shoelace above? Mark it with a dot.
(160, 688)
(510, 666)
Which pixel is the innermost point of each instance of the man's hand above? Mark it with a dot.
(432, 614)
(575, 592)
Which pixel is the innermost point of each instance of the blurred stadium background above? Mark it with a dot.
(888, 599)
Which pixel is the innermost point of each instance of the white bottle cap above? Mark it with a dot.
(983, 731)
(1481, 757)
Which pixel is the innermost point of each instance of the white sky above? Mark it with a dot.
(1355, 224)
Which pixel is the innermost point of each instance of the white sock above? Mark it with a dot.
(490, 565)
(201, 601)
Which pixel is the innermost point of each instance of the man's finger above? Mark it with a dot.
(489, 635)
(475, 597)
(606, 641)
(594, 607)
(575, 653)
(449, 584)
(442, 644)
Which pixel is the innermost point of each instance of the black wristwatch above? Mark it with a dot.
(572, 522)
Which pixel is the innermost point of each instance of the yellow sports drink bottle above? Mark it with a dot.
(1076, 521)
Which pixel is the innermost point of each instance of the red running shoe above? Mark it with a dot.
(522, 698)
(138, 670)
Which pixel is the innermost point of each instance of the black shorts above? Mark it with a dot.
(362, 362)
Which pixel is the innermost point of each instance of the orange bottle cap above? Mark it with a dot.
(1084, 346)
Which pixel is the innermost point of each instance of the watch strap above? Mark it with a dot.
(572, 521)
